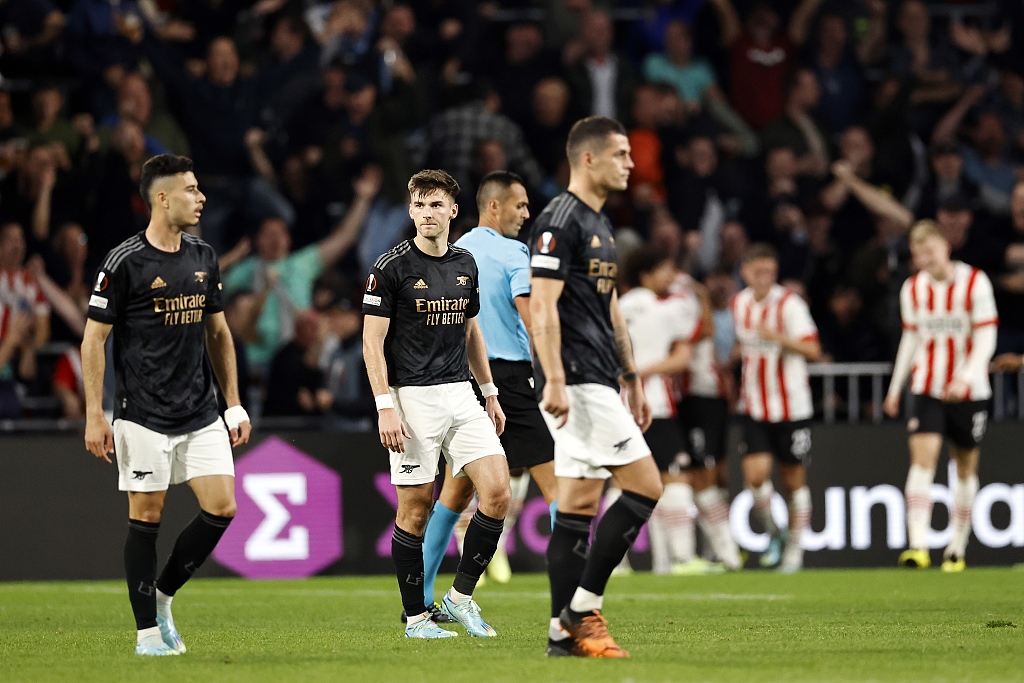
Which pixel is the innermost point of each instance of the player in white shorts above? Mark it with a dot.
(776, 337)
(159, 293)
(581, 350)
(949, 336)
(420, 341)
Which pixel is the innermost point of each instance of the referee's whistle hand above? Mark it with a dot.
(240, 434)
(99, 439)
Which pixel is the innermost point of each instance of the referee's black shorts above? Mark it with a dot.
(526, 438)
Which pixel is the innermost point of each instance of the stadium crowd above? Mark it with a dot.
(822, 127)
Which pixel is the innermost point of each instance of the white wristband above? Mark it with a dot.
(384, 401)
(234, 416)
(488, 389)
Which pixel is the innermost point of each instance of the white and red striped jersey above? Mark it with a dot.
(773, 385)
(704, 376)
(19, 290)
(655, 325)
(945, 315)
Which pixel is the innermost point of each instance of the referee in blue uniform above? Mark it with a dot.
(504, 271)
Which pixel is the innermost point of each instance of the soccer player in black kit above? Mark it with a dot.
(420, 341)
(159, 292)
(582, 358)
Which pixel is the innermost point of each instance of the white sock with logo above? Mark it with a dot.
(963, 505)
(918, 494)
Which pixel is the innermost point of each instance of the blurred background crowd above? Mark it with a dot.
(822, 126)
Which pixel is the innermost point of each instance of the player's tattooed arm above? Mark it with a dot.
(99, 439)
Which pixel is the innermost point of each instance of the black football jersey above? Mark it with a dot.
(572, 242)
(157, 302)
(428, 299)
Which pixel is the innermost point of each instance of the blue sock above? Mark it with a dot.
(553, 508)
(435, 542)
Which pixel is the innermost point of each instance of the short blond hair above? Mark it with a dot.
(925, 230)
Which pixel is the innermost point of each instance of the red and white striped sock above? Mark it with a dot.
(675, 505)
(763, 495)
(918, 494)
(963, 505)
(713, 505)
(799, 519)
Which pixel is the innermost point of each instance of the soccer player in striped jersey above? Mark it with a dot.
(775, 336)
(949, 336)
(703, 413)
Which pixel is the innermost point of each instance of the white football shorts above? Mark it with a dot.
(442, 419)
(599, 433)
(151, 461)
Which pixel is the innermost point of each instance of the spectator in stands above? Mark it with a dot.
(1008, 104)
(647, 179)
(798, 128)
(947, 179)
(601, 81)
(98, 48)
(933, 67)
(39, 196)
(220, 112)
(696, 83)
(116, 210)
(341, 356)
(524, 64)
(31, 31)
(67, 383)
(295, 381)
(454, 135)
(547, 129)
(1008, 279)
(760, 56)
(198, 22)
(702, 199)
(852, 222)
(289, 276)
(986, 160)
(837, 66)
(49, 124)
(24, 318)
(163, 135)
(68, 285)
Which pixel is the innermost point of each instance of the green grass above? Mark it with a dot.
(877, 625)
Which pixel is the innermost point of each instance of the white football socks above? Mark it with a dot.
(799, 519)
(963, 505)
(918, 494)
(585, 601)
(676, 505)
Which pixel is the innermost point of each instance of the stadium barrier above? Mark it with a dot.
(319, 502)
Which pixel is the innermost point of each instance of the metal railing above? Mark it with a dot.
(853, 372)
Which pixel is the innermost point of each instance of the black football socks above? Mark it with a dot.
(140, 571)
(407, 552)
(567, 557)
(477, 550)
(194, 545)
(615, 533)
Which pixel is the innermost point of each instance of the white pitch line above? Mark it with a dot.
(201, 589)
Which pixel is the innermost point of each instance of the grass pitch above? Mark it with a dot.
(878, 625)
